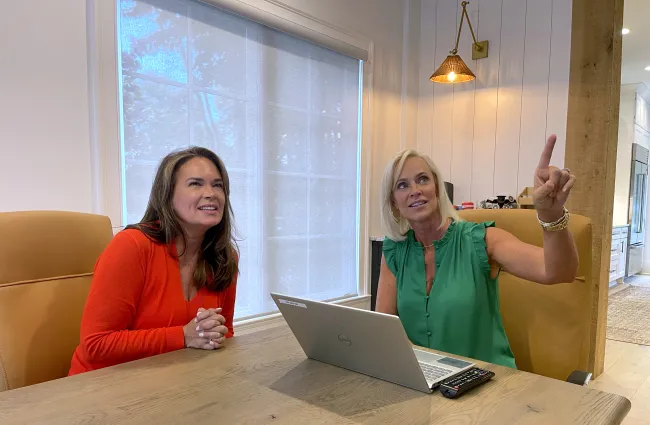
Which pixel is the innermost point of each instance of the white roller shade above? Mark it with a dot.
(281, 112)
(261, 11)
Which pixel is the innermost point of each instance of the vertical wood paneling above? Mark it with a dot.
(485, 112)
(486, 136)
(511, 70)
(558, 90)
(427, 66)
(534, 96)
(463, 118)
(443, 94)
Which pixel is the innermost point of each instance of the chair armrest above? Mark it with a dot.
(579, 377)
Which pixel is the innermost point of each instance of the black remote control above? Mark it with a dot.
(465, 381)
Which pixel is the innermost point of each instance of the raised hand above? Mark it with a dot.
(552, 185)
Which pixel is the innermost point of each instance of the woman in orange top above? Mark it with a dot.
(168, 282)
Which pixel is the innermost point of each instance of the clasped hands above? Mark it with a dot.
(207, 331)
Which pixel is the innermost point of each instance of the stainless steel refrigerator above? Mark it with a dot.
(637, 210)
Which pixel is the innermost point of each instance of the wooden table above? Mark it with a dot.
(265, 378)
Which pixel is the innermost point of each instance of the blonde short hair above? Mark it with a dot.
(396, 230)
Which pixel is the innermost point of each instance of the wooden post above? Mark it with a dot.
(591, 140)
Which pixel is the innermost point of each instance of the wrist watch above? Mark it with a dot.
(557, 225)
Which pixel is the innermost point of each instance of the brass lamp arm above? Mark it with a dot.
(463, 16)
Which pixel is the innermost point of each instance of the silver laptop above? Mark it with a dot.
(367, 342)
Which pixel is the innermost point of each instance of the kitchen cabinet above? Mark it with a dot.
(618, 257)
(641, 136)
(641, 111)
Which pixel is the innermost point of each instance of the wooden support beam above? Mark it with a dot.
(591, 140)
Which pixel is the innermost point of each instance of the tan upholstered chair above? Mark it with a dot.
(46, 265)
(548, 326)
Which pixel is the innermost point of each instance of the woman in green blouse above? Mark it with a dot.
(439, 273)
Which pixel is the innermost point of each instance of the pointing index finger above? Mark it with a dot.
(545, 159)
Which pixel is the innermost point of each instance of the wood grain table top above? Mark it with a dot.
(265, 378)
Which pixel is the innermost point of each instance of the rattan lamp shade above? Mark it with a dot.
(453, 70)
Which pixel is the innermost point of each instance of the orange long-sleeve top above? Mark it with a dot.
(136, 307)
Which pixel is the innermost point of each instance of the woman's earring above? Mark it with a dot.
(395, 218)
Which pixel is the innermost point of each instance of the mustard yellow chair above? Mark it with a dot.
(46, 265)
(548, 326)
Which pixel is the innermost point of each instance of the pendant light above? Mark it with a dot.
(453, 69)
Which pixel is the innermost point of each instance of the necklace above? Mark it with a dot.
(432, 243)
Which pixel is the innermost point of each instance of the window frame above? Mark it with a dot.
(106, 110)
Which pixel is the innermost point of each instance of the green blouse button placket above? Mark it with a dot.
(427, 314)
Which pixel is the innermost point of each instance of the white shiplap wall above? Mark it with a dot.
(486, 135)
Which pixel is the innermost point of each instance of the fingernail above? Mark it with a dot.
(201, 334)
(198, 313)
(198, 328)
(196, 320)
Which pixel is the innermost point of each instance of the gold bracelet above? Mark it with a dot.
(559, 224)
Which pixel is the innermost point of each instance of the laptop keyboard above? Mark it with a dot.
(433, 373)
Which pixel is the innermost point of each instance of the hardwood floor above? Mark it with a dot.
(627, 372)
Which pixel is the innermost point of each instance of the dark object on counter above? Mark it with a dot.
(375, 264)
(500, 202)
(449, 187)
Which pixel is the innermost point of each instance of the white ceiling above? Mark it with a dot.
(636, 44)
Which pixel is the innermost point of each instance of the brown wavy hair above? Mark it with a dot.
(218, 260)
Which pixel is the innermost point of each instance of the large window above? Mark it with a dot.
(281, 112)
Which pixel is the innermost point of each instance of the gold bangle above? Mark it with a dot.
(559, 224)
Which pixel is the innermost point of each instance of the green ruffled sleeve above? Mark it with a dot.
(478, 237)
(389, 247)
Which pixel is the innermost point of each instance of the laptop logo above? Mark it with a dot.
(345, 340)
